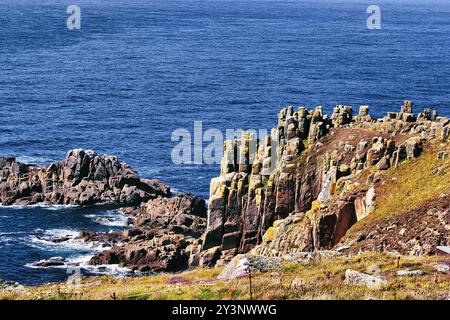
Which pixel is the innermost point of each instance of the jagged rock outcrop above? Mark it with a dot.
(163, 231)
(163, 227)
(314, 192)
(82, 178)
(298, 190)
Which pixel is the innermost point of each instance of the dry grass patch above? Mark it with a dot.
(407, 187)
(314, 280)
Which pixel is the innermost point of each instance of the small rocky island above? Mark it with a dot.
(342, 184)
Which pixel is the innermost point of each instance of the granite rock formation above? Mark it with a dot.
(162, 232)
(162, 227)
(297, 191)
(314, 194)
(82, 178)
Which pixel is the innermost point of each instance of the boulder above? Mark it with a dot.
(409, 273)
(51, 262)
(442, 267)
(163, 235)
(359, 278)
(305, 257)
(384, 163)
(209, 257)
(242, 264)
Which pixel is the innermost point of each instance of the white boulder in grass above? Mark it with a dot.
(359, 278)
(240, 265)
(409, 273)
(441, 267)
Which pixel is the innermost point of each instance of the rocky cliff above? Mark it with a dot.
(343, 182)
(327, 178)
(82, 178)
(163, 226)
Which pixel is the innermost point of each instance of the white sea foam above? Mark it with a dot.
(82, 262)
(63, 239)
(107, 269)
(149, 172)
(33, 160)
(112, 218)
(66, 239)
(104, 269)
(55, 207)
(41, 205)
(8, 238)
(36, 265)
(5, 240)
(12, 233)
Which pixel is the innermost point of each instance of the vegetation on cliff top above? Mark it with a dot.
(313, 280)
(408, 186)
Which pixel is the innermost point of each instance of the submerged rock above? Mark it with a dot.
(51, 262)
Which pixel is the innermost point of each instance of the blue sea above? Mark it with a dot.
(138, 70)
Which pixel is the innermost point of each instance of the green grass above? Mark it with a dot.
(314, 280)
(407, 187)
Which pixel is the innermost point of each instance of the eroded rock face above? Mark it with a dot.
(316, 158)
(163, 232)
(300, 191)
(147, 252)
(82, 178)
(291, 235)
(184, 214)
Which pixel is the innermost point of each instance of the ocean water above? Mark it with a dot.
(136, 71)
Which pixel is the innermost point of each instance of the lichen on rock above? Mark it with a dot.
(328, 172)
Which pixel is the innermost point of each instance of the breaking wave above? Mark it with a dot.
(64, 239)
(41, 205)
(112, 218)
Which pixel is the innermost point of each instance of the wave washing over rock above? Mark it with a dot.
(328, 177)
(163, 232)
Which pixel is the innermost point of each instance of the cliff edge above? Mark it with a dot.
(346, 182)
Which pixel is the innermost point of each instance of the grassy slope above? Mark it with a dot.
(408, 187)
(314, 280)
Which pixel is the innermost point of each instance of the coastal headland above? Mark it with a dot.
(336, 188)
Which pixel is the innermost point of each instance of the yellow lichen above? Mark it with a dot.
(315, 205)
(270, 235)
